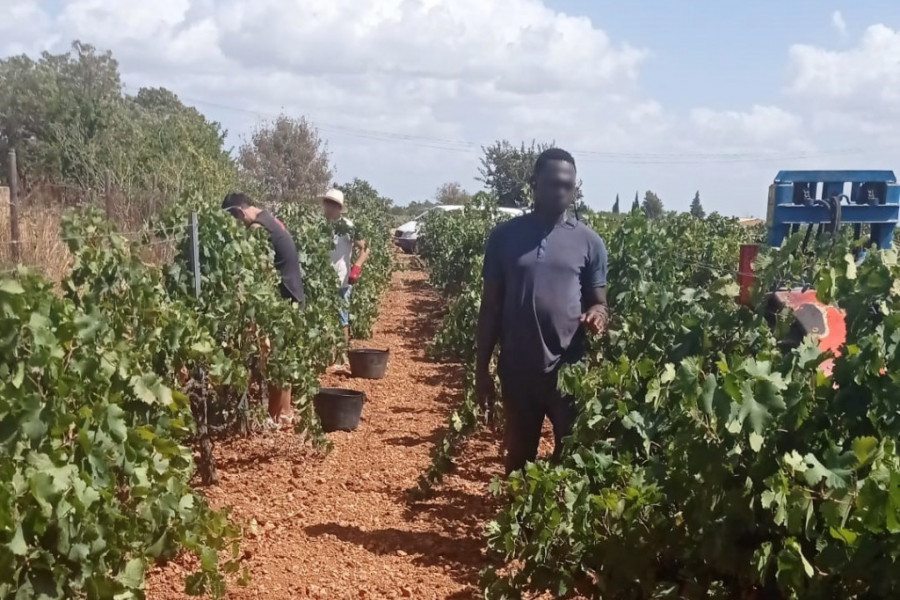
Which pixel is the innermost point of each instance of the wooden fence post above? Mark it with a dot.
(108, 198)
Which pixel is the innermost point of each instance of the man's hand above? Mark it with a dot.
(596, 319)
(485, 393)
(355, 272)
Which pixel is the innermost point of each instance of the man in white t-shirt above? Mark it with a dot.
(344, 243)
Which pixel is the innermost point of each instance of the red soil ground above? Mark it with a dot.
(342, 526)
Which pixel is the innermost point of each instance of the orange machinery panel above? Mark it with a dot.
(824, 321)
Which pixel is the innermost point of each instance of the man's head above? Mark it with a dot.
(333, 204)
(241, 207)
(553, 180)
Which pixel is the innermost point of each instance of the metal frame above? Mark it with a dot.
(874, 199)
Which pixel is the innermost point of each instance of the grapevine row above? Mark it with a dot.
(453, 250)
(711, 459)
(100, 387)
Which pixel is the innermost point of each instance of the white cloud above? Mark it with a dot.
(519, 45)
(432, 73)
(837, 19)
(761, 124)
(866, 74)
(435, 69)
(24, 28)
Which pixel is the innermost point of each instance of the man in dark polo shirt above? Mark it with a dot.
(287, 263)
(544, 287)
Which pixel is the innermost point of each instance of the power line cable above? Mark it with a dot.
(674, 158)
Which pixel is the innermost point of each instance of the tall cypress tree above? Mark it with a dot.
(697, 208)
(616, 206)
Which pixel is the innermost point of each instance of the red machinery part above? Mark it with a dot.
(824, 321)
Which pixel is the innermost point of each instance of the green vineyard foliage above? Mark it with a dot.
(453, 251)
(99, 388)
(711, 459)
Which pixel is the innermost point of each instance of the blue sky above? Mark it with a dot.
(696, 46)
(714, 96)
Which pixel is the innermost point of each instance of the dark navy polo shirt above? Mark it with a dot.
(545, 273)
(287, 261)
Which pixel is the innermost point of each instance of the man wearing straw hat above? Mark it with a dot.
(333, 205)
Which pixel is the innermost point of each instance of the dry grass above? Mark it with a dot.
(40, 245)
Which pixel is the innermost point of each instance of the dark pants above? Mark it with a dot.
(527, 400)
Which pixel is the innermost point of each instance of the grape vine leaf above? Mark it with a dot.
(865, 449)
(132, 576)
(17, 545)
(751, 410)
(816, 472)
(11, 287)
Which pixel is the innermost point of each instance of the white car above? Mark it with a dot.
(407, 234)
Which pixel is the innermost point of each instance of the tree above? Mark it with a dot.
(286, 160)
(506, 171)
(71, 124)
(616, 206)
(636, 205)
(697, 208)
(652, 206)
(61, 113)
(452, 193)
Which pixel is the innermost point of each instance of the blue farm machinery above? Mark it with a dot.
(823, 202)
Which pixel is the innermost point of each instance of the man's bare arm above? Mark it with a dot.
(486, 338)
(596, 317)
(488, 331)
(362, 247)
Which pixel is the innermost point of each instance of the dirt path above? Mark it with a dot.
(342, 526)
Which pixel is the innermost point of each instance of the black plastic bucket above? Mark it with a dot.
(339, 409)
(368, 364)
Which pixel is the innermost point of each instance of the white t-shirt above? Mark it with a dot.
(343, 250)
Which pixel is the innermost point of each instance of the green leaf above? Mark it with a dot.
(710, 385)
(752, 411)
(792, 565)
(19, 377)
(668, 375)
(203, 347)
(817, 472)
(132, 576)
(17, 545)
(844, 535)
(11, 287)
(150, 390)
(865, 449)
(195, 584)
(88, 325)
(209, 559)
(850, 266)
(756, 441)
(115, 420)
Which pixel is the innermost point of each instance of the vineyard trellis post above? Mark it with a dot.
(194, 236)
(108, 196)
(200, 385)
(14, 207)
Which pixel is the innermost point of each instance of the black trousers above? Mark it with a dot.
(527, 400)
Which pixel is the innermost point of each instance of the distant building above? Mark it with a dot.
(750, 221)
